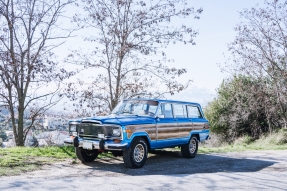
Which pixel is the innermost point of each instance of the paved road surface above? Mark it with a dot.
(256, 170)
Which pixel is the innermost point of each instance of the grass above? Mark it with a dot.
(240, 148)
(274, 141)
(16, 160)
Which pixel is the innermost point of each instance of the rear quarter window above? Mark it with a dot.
(193, 112)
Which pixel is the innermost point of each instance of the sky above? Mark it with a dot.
(216, 30)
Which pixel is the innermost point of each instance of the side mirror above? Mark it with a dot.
(160, 116)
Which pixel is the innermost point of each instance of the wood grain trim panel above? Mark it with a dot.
(150, 129)
(198, 125)
(167, 131)
(184, 129)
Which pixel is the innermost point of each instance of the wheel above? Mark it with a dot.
(190, 149)
(86, 155)
(135, 156)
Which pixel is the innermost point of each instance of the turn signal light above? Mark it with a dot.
(117, 141)
(128, 130)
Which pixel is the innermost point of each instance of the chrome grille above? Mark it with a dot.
(92, 130)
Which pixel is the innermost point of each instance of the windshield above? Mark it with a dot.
(136, 107)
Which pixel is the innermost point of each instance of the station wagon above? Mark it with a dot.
(136, 126)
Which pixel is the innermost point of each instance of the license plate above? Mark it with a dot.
(87, 145)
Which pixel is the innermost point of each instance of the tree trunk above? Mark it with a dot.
(20, 141)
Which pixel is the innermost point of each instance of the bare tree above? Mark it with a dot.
(129, 37)
(28, 30)
(260, 50)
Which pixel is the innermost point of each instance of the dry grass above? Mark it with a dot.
(274, 141)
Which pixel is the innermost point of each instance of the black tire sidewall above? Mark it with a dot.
(134, 144)
(84, 156)
(196, 144)
(185, 148)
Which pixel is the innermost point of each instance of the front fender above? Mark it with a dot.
(140, 134)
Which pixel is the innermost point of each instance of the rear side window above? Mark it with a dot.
(193, 112)
(179, 111)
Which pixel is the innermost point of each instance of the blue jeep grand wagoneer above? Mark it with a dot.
(136, 126)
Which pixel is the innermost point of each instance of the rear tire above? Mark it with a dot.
(135, 156)
(86, 155)
(190, 149)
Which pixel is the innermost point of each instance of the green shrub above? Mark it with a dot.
(244, 106)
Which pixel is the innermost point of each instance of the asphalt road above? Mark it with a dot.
(256, 170)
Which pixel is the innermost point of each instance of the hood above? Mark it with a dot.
(120, 119)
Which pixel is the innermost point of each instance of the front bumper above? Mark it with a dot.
(97, 144)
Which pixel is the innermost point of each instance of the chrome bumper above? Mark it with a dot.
(96, 144)
(69, 141)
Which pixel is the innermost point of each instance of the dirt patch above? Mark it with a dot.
(169, 162)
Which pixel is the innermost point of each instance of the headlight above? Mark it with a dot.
(73, 128)
(116, 132)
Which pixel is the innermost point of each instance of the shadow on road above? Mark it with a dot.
(169, 162)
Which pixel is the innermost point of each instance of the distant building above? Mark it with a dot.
(10, 134)
(50, 121)
(53, 122)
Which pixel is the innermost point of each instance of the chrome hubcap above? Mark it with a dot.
(192, 145)
(139, 152)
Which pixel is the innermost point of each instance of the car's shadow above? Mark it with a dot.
(161, 162)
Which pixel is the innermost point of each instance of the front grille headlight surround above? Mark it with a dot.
(73, 129)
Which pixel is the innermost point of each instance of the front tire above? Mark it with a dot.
(135, 156)
(86, 155)
(117, 153)
(190, 149)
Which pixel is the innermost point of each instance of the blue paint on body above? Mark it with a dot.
(124, 120)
